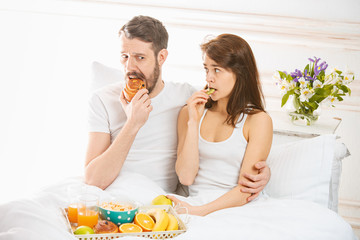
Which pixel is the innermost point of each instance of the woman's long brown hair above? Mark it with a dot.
(234, 53)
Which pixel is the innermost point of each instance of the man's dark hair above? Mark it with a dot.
(147, 29)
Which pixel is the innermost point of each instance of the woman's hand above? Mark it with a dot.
(196, 105)
(180, 205)
(254, 184)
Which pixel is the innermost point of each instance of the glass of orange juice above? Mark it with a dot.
(88, 214)
(73, 192)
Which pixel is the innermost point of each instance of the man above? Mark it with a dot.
(140, 136)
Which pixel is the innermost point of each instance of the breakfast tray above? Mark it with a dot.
(151, 235)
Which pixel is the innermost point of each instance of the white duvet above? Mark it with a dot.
(39, 217)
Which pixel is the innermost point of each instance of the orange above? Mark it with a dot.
(144, 221)
(129, 228)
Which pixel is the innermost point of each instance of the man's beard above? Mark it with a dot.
(152, 80)
(154, 77)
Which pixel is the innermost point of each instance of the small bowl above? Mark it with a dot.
(119, 217)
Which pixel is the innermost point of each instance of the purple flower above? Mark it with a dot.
(307, 76)
(316, 70)
(296, 74)
(319, 68)
(323, 66)
(317, 60)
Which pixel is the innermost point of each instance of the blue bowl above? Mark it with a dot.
(119, 217)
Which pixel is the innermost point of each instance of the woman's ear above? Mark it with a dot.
(162, 55)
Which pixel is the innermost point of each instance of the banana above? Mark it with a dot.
(161, 219)
(173, 223)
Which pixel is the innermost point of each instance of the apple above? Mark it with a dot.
(81, 230)
(161, 200)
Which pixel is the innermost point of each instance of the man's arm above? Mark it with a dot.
(255, 183)
(104, 160)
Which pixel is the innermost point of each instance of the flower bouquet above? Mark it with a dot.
(311, 87)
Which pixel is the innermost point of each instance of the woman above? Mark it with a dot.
(222, 136)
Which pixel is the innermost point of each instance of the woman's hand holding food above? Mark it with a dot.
(196, 105)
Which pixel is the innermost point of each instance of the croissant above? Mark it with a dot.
(132, 87)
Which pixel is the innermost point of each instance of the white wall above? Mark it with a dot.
(46, 48)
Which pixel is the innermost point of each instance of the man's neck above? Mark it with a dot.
(157, 89)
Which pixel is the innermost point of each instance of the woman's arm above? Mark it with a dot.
(259, 143)
(187, 163)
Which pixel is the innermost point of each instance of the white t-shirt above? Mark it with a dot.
(153, 152)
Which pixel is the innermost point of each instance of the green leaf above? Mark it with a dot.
(282, 75)
(340, 98)
(321, 78)
(327, 88)
(321, 75)
(344, 88)
(317, 98)
(312, 70)
(311, 106)
(285, 98)
(320, 91)
(338, 72)
(314, 105)
(307, 68)
(296, 102)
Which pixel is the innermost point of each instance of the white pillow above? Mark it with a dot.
(104, 75)
(308, 169)
(341, 152)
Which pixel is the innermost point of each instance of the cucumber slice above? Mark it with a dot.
(210, 91)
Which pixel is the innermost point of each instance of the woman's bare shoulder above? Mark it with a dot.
(184, 111)
(183, 114)
(260, 116)
(259, 119)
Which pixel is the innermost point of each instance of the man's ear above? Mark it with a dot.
(162, 55)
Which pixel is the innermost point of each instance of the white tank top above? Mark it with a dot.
(220, 162)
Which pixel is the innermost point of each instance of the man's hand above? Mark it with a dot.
(254, 184)
(138, 110)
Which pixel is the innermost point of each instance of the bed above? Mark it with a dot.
(301, 199)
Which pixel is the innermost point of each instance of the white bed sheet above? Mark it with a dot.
(38, 217)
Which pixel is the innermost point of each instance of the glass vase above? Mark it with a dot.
(303, 119)
(300, 114)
